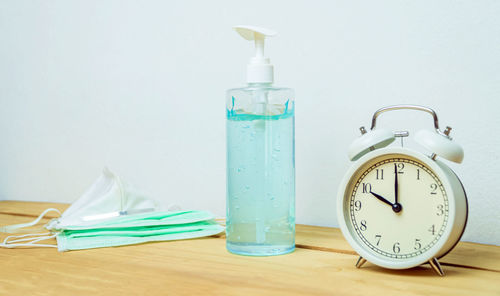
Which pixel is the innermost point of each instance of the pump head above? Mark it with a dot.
(259, 69)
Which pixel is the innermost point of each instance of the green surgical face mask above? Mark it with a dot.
(138, 230)
(110, 214)
(120, 231)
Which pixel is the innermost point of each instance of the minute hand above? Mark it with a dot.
(381, 198)
(395, 183)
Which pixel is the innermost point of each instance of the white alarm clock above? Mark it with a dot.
(397, 207)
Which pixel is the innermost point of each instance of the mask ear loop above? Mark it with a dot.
(31, 241)
(15, 228)
(28, 240)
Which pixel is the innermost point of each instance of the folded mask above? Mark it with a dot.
(112, 214)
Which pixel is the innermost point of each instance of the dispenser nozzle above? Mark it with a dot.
(259, 68)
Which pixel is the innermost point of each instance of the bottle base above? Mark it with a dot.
(259, 249)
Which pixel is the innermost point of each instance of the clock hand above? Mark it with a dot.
(396, 207)
(396, 183)
(381, 198)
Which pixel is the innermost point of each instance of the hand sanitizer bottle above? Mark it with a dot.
(260, 200)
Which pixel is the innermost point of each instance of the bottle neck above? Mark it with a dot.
(260, 84)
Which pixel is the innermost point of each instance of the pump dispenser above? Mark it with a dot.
(260, 196)
(259, 69)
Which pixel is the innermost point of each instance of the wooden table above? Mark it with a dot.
(322, 264)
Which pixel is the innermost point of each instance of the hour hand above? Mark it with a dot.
(381, 198)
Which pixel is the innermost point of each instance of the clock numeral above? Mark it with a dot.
(357, 205)
(378, 236)
(432, 229)
(418, 245)
(363, 225)
(434, 188)
(418, 174)
(440, 210)
(395, 248)
(380, 174)
(367, 187)
(401, 166)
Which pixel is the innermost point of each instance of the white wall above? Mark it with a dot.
(139, 86)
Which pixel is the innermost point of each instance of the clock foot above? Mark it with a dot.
(360, 262)
(436, 266)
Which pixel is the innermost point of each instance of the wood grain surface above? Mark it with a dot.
(322, 264)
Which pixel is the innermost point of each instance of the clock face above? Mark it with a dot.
(396, 207)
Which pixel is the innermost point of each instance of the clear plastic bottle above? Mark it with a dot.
(260, 170)
(260, 200)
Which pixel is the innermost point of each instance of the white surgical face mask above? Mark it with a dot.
(112, 214)
(106, 198)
